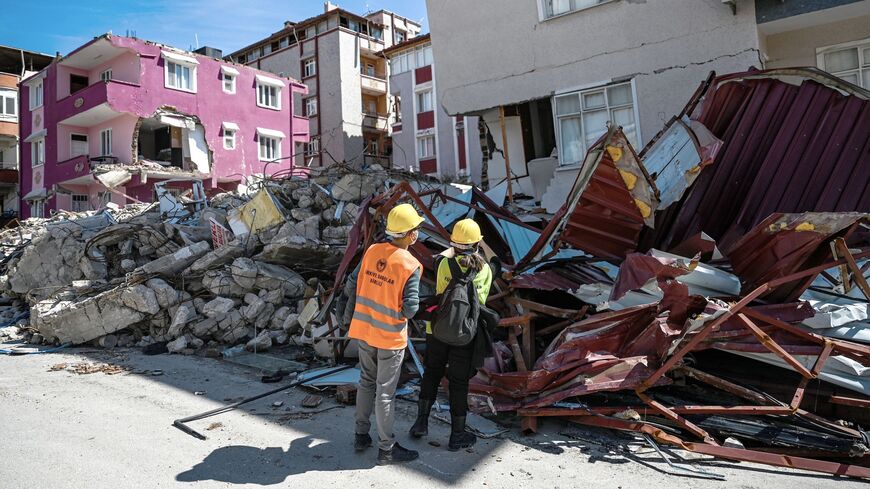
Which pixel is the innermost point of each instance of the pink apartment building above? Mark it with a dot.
(117, 115)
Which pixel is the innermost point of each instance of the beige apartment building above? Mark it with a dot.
(575, 66)
(336, 55)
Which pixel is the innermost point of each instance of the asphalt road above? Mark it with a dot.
(66, 430)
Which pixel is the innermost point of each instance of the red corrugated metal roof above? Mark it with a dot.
(788, 147)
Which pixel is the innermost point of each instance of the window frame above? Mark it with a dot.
(37, 152)
(229, 135)
(309, 63)
(419, 103)
(226, 77)
(863, 60)
(309, 103)
(544, 15)
(37, 94)
(87, 142)
(311, 148)
(37, 208)
(86, 201)
(276, 149)
(106, 142)
(5, 94)
(605, 88)
(277, 96)
(422, 144)
(166, 75)
(106, 75)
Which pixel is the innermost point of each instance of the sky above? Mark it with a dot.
(50, 26)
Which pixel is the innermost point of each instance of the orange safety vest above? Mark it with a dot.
(380, 285)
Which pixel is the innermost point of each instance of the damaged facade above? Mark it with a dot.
(117, 115)
(566, 75)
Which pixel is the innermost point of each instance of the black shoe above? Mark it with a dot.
(421, 424)
(361, 441)
(459, 438)
(397, 455)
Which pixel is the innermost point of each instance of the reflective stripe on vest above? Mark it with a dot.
(377, 317)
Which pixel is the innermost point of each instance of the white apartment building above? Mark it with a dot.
(336, 55)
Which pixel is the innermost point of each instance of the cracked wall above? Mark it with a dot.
(668, 47)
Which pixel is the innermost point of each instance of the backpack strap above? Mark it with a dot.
(455, 270)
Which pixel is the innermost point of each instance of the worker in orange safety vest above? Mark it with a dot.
(383, 293)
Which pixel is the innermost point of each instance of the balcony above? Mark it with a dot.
(378, 122)
(373, 85)
(92, 105)
(368, 45)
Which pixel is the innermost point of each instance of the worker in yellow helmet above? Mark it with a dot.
(383, 293)
(463, 276)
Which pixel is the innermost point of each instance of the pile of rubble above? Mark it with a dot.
(241, 268)
(667, 283)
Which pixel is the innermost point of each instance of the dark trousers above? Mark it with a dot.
(457, 362)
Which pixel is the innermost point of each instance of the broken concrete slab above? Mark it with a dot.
(175, 262)
(244, 272)
(85, 320)
(140, 298)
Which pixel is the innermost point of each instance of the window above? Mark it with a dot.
(37, 152)
(311, 106)
(37, 208)
(312, 148)
(106, 75)
(8, 104)
(36, 95)
(309, 68)
(552, 8)
(106, 142)
(229, 138)
(851, 63)
(400, 36)
(426, 147)
(181, 76)
(229, 83)
(424, 56)
(268, 95)
(582, 117)
(370, 69)
(270, 148)
(78, 145)
(80, 203)
(424, 101)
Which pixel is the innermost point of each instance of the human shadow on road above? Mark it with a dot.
(240, 464)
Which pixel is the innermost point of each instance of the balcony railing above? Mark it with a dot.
(371, 84)
(379, 122)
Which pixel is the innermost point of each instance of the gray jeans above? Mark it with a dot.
(379, 374)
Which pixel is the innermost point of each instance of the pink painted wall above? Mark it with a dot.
(142, 67)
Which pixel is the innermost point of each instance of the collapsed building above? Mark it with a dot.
(654, 300)
(105, 122)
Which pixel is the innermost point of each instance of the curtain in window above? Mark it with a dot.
(572, 140)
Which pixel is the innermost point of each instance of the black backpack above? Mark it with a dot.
(458, 310)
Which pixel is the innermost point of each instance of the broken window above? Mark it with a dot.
(275, 46)
(397, 108)
(174, 140)
(77, 82)
(80, 203)
(850, 63)
(582, 118)
(401, 36)
(78, 145)
(311, 148)
(270, 148)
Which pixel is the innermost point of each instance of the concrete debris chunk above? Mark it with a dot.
(218, 307)
(244, 272)
(140, 298)
(175, 262)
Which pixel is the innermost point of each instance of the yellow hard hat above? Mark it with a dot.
(402, 219)
(466, 232)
